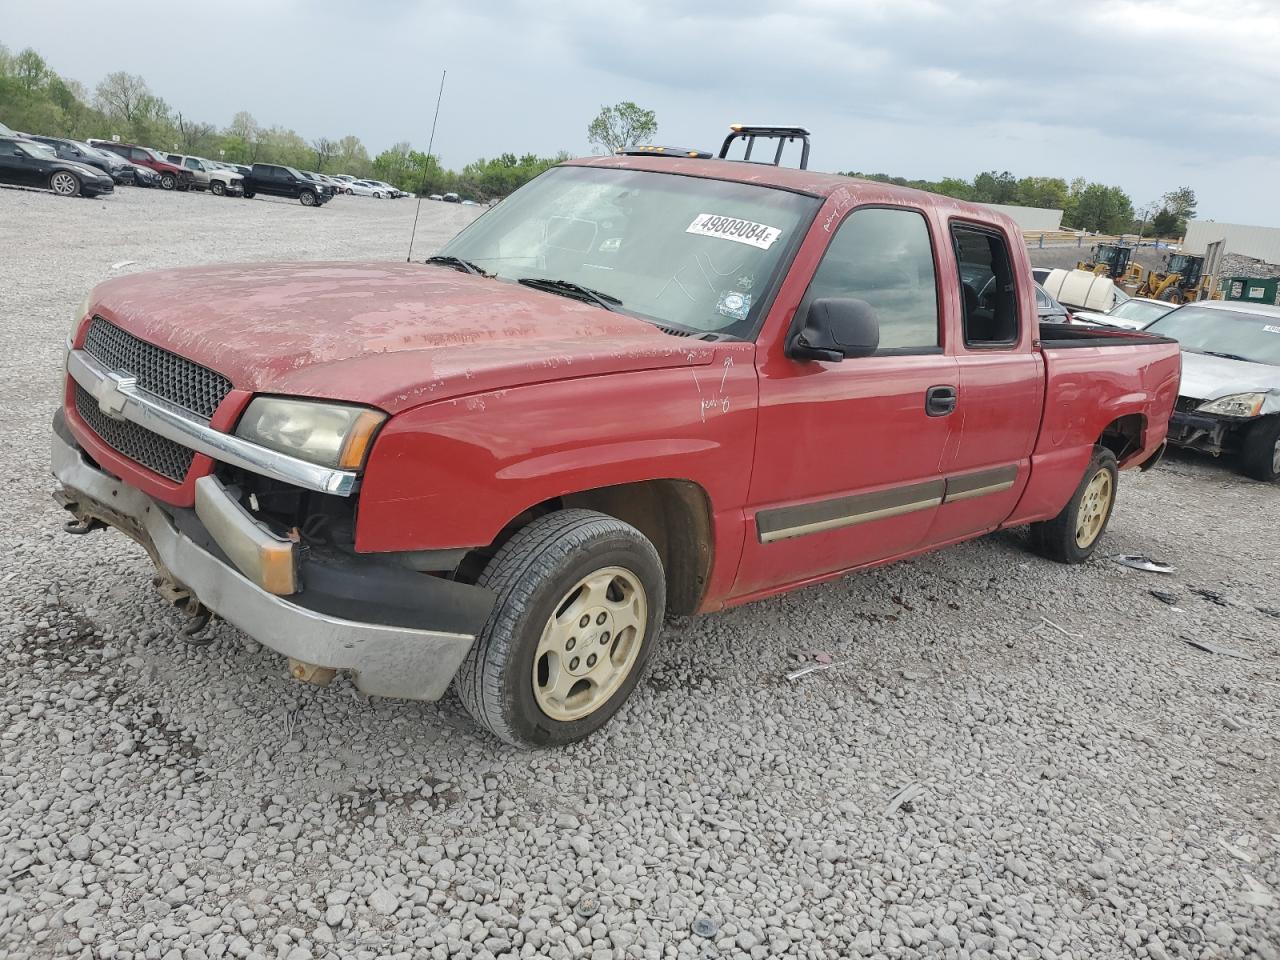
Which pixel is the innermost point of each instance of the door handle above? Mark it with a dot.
(940, 401)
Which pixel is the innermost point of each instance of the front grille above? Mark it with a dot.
(167, 375)
(158, 454)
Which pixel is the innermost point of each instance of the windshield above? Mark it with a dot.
(693, 253)
(1249, 336)
(1140, 311)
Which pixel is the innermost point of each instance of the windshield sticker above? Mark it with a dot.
(734, 305)
(739, 231)
(1270, 328)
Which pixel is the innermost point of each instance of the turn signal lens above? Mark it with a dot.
(359, 439)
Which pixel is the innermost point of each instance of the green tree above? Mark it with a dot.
(1182, 204)
(992, 187)
(1165, 223)
(1101, 209)
(1049, 193)
(621, 125)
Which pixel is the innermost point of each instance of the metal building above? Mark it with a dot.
(1035, 219)
(1260, 243)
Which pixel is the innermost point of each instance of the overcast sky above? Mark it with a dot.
(1145, 94)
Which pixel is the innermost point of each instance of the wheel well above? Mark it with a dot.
(674, 514)
(1123, 436)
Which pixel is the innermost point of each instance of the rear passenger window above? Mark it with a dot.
(884, 257)
(987, 286)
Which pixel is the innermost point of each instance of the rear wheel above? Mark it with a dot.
(167, 181)
(1260, 457)
(308, 198)
(65, 184)
(580, 601)
(1073, 535)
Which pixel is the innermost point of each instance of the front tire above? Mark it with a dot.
(580, 602)
(64, 184)
(1073, 535)
(167, 181)
(307, 198)
(1260, 456)
(217, 188)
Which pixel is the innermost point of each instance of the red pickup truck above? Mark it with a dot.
(639, 386)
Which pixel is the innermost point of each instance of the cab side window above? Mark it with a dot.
(988, 286)
(884, 257)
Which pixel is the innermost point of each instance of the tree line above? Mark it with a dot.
(1085, 206)
(36, 99)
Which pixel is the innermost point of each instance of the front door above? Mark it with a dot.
(16, 165)
(850, 455)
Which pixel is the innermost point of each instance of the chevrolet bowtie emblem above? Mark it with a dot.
(111, 396)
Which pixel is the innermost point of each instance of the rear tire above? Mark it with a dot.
(1260, 456)
(536, 676)
(1074, 534)
(64, 184)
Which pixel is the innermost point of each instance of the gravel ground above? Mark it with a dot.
(1090, 786)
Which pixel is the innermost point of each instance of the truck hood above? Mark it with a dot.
(1208, 378)
(392, 335)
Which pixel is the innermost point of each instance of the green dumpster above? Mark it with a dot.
(1252, 289)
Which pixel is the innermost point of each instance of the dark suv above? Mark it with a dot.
(276, 181)
(171, 175)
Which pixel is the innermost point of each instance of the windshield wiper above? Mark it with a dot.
(567, 288)
(1225, 356)
(457, 263)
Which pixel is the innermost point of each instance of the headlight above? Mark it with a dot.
(330, 434)
(1236, 405)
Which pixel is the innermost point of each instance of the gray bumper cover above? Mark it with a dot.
(388, 661)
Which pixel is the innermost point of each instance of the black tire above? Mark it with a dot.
(1057, 539)
(307, 198)
(1173, 295)
(64, 183)
(249, 194)
(1260, 455)
(217, 188)
(167, 181)
(531, 574)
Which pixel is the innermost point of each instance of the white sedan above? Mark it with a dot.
(364, 188)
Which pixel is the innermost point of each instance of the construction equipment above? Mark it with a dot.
(1108, 260)
(1181, 281)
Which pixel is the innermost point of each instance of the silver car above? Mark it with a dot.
(1229, 401)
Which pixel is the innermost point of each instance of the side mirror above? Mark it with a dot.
(836, 328)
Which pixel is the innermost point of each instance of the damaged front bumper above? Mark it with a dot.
(1206, 433)
(399, 632)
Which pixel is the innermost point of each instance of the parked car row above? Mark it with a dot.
(90, 168)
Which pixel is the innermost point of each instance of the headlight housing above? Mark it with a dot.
(1236, 405)
(330, 434)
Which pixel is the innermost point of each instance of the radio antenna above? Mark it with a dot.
(426, 166)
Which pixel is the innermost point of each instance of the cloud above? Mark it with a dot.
(1147, 94)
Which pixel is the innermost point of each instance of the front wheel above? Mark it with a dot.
(580, 601)
(65, 184)
(1073, 535)
(308, 198)
(217, 188)
(167, 181)
(249, 194)
(1260, 457)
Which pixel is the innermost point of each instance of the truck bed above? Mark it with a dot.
(1059, 336)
